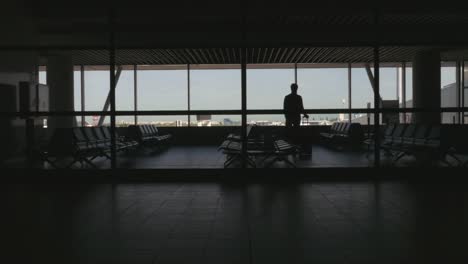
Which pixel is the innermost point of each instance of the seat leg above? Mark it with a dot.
(229, 160)
(398, 157)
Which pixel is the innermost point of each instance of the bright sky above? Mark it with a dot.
(220, 89)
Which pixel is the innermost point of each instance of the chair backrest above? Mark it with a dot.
(106, 132)
(148, 130)
(389, 130)
(249, 129)
(154, 129)
(421, 131)
(399, 130)
(409, 131)
(333, 126)
(141, 130)
(99, 134)
(346, 127)
(434, 132)
(78, 134)
(88, 132)
(339, 127)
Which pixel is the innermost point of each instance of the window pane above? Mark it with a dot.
(409, 86)
(388, 83)
(94, 120)
(77, 91)
(448, 92)
(465, 91)
(266, 120)
(162, 89)
(323, 88)
(361, 88)
(447, 74)
(215, 120)
(124, 121)
(215, 89)
(164, 121)
(124, 92)
(279, 120)
(97, 84)
(465, 73)
(266, 88)
(43, 76)
(124, 96)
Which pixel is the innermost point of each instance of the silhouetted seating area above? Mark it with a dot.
(343, 133)
(232, 148)
(82, 145)
(148, 135)
(284, 150)
(422, 141)
(258, 144)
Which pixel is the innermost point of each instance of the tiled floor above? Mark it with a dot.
(391, 222)
(208, 157)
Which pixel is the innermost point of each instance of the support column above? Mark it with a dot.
(426, 86)
(60, 82)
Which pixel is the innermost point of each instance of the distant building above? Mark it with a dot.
(227, 122)
(448, 98)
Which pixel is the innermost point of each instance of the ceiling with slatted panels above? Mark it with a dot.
(254, 55)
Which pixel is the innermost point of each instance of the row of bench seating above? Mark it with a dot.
(401, 140)
(148, 135)
(343, 132)
(257, 145)
(232, 148)
(83, 145)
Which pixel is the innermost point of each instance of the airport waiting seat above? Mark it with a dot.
(68, 146)
(122, 143)
(149, 136)
(82, 145)
(420, 140)
(386, 135)
(232, 148)
(64, 149)
(343, 133)
(392, 139)
(282, 151)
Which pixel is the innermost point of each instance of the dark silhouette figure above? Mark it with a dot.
(293, 108)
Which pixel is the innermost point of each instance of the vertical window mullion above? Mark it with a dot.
(403, 88)
(135, 92)
(188, 94)
(244, 104)
(349, 91)
(377, 109)
(295, 73)
(83, 120)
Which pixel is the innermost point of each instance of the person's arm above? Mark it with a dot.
(285, 105)
(302, 108)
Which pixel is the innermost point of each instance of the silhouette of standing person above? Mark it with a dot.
(293, 108)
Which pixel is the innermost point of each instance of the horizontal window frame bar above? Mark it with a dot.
(234, 112)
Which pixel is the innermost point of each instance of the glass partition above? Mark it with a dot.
(212, 89)
(323, 87)
(162, 89)
(266, 88)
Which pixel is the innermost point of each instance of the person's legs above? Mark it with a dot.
(287, 131)
(295, 123)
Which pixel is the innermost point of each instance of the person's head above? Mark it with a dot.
(294, 88)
